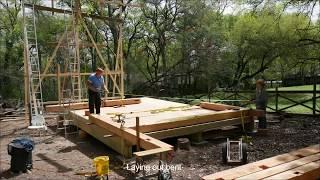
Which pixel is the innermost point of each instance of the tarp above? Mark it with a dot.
(23, 143)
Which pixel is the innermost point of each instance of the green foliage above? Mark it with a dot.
(176, 47)
(11, 84)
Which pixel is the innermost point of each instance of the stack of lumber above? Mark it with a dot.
(11, 114)
(300, 164)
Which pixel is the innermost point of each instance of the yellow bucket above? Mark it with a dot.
(102, 165)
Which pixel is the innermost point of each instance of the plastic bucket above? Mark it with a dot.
(102, 165)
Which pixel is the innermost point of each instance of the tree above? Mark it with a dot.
(258, 41)
(11, 50)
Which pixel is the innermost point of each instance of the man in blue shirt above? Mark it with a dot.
(95, 85)
(261, 101)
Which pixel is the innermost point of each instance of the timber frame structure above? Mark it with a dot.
(113, 75)
(145, 121)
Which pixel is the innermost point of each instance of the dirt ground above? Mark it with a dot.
(57, 157)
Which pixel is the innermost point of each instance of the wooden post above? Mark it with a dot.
(26, 73)
(277, 97)
(121, 56)
(314, 96)
(122, 76)
(183, 144)
(106, 83)
(138, 133)
(26, 87)
(77, 18)
(59, 83)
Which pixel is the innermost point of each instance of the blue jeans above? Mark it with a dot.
(262, 119)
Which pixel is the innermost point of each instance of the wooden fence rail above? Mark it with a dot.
(237, 98)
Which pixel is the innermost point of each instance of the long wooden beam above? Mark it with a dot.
(101, 134)
(56, 10)
(81, 44)
(187, 130)
(195, 119)
(119, 3)
(84, 105)
(70, 74)
(216, 106)
(151, 152)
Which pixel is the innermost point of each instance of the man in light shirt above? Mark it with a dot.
(96, 85)
(261, 101)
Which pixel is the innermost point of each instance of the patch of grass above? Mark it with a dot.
(230, 98)
(282, 102)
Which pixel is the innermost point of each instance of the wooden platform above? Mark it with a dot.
(300, 164)
(159, 119)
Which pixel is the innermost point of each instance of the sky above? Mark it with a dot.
(232, 9)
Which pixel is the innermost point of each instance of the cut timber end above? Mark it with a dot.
(86, 113)
(257, 113)
(151, 152)
(84, 105)
(217, 106)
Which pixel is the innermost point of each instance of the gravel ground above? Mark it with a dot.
(57, 157)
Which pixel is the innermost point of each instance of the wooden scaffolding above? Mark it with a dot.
(73, 76)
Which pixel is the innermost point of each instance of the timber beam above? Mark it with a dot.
(186, 130)
(103, 135)
(82, 74)
(56, 10)
(217, 106)
(155, 146)
(84, 105)
(81, 44)
(195, 119)
(150, 144)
